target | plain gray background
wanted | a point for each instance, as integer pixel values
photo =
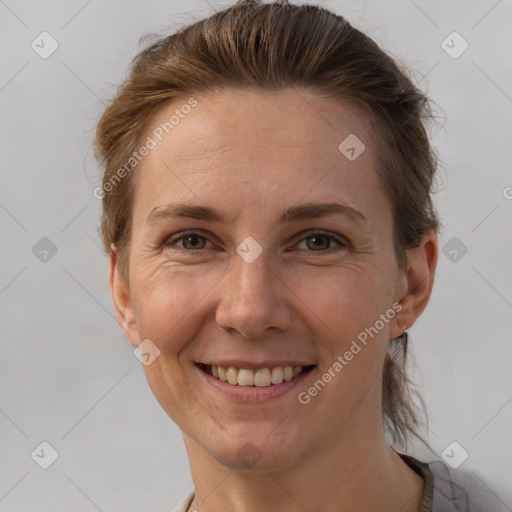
(68, 376)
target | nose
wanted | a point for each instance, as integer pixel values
(254, 299)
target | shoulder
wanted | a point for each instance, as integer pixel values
(184, 504)
(450, 490)
(462, 491)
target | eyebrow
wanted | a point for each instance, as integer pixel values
(294, 213)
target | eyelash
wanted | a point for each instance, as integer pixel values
(171, 241)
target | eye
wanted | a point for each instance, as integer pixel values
(321, 241)
(192, 240)
(195, 241)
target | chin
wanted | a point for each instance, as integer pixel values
(256, 449)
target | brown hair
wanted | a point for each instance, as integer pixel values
(271, 47)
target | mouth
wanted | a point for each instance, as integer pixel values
(254, 377)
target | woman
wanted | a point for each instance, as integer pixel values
(234, 148)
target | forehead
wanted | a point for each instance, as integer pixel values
(260, 148)
(240, 116)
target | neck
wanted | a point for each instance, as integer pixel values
(362, 474)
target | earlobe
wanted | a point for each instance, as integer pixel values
(121, 299)
(421, 265)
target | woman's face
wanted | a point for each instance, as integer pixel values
(232, 266)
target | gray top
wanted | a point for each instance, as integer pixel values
(453, 490)
(445, 490)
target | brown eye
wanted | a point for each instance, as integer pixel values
(321, 242)
(318, 242)
(190, 241)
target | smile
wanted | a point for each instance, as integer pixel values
(257, 377)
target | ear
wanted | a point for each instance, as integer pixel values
(419, 279)
(121, 299)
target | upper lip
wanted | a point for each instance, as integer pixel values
(239, 363)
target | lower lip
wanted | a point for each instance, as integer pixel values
(253, 393)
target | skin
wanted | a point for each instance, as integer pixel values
(251, 155)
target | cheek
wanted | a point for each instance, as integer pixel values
(344, 311)
(168, 303)
(345, 301)
(337, 303)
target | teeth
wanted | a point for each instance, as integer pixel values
(261, 378)
(232, 375)
(277, 375)
(288, 373)
(245, 377)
